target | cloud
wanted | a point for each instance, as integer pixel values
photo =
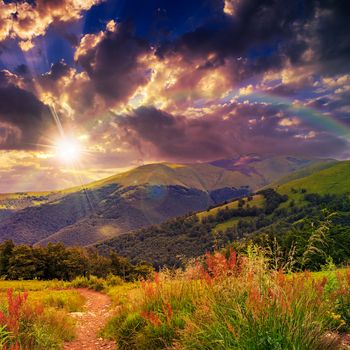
(154, 89)
(110, 68)
(25, 21)
(231, 130)
(111, 59)
(175, 84)
(299, 34)
(23, 118)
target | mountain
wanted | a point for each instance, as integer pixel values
(143, 196)
(286, 212)
(271, 168)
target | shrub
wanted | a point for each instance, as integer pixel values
(112, 280)
(91, 282)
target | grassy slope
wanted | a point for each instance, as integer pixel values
(258, 200)
(309, 170)
(328, 177)
(333, 180)
(204, 177)
(201, 176)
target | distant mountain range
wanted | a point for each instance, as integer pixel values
(143, 196)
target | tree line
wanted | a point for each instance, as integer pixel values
(55, 261)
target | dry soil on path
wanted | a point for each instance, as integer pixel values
(90, 322)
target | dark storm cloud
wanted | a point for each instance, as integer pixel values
(265, 34)
(160, 134)
(172, 136)
(23, 118)
(262, 25)
(330, 30)
(112, 64)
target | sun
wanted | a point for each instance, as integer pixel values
(68, 150)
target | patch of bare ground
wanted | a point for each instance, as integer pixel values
(90, 322)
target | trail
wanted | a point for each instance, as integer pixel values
(90, 322)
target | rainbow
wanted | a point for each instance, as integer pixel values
(312, 116)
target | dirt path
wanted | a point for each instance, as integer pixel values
(94, 317)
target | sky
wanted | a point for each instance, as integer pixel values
(89, 88)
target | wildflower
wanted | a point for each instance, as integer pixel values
(231, 329)
(156, 278)
(151, 317)
(232, 260)
(168, 312)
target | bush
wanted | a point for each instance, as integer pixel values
(112, 280)
(91, 282)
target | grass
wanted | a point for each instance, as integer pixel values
(333, 180)
(232, 303)
(258, 201)
(225, 225)
(34, 315)
(217, 302)
(34, 285)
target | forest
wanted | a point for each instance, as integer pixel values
(55, 261)
(313, 230)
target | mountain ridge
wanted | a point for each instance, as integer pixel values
(142, 196)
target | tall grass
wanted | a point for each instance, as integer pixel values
(29, 325)
(231, 302)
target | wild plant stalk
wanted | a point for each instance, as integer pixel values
(28, 325)
(232, 302)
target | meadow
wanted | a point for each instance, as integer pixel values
(222, 300)
(35, 314)
(233, 302)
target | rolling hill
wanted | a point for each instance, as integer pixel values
(331, 180)
(143, 196)
(281, 214)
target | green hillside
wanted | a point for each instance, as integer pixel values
(332, 180)
(328, 178)
(142, 196)
(303, 172)
(291, 214)
(256, 200)
(255, 173)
